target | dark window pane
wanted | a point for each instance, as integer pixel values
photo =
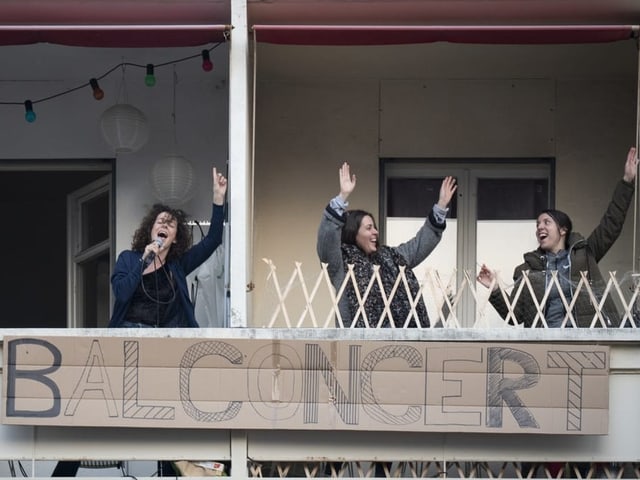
(414, 197)
(95, 220)
(96, 288)
(512, 198)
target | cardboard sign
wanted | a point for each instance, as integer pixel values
(306, 385)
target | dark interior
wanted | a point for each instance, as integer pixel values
(33, 285)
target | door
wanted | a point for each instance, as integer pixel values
(89, 254)
(491, 221)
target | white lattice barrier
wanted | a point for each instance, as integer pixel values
(443, 469)
(309, 300)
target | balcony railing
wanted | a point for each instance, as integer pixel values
(309, 300)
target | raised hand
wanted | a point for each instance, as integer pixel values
(486, 277)
(219, 187)
(631, 166)
(347, 181)
(447, 189)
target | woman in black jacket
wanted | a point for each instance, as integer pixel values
(569, 254)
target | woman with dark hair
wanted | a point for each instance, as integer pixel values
(349, 239)
(568, 253)
(149, 281)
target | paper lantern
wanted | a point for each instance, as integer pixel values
(173, 180)
(125, 128)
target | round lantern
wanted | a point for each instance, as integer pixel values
(124, 127)
(173, 180)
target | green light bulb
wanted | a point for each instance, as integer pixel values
(150, 78)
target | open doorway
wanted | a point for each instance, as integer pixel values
(34, 287)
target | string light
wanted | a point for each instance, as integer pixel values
(98, 94)
(29, 114)
(207, 64)
(150, 78)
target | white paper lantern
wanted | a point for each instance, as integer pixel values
(173, 180)
(124, 127)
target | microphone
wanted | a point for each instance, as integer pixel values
(152, 255)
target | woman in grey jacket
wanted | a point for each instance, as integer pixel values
(349, 239)
(567, 253)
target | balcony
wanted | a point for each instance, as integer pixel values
(426, 448)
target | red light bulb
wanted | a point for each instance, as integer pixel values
(98, 94)
(207, 64)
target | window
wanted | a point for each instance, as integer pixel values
(88, 213)
(491, 220)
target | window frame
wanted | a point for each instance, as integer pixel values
(467, 171)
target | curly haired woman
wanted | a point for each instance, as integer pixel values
(149, 280)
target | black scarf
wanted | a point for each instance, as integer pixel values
(389, 261)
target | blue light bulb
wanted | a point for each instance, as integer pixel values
(29, 114)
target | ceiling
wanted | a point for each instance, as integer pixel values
(167, 23)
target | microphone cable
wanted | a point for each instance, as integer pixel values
(157, 299)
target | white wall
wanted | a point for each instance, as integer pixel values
(67, 127)
(319, 106)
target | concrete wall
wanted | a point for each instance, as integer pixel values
(67, 127)
(317, 107)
